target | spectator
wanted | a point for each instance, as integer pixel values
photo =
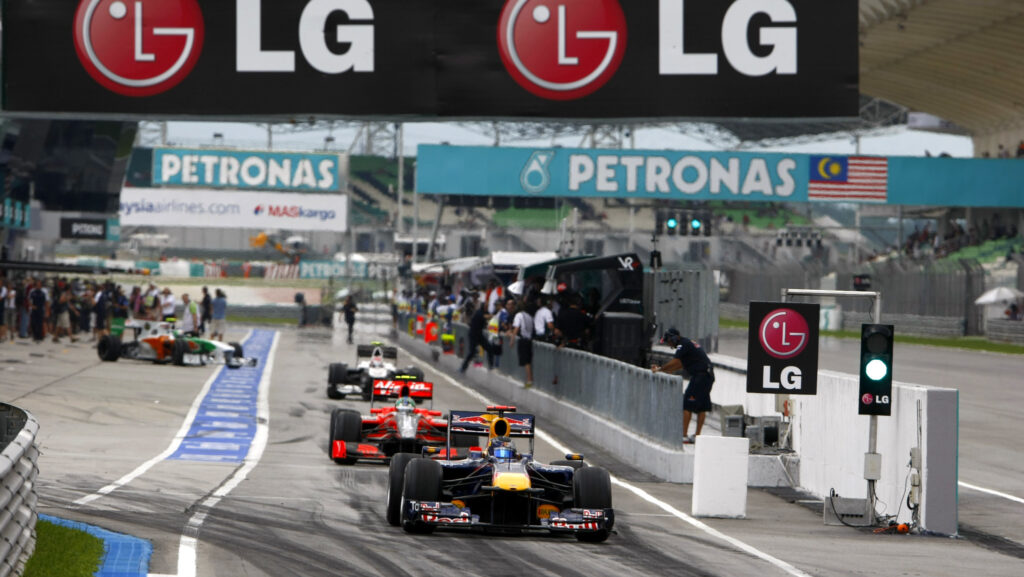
(100, 303)
(572, 327)
(3, 302)
(191, 318)
(1013, 312)
(62, 310)
(522, 326)
(543, 321)
(349, 309)
(477, 335)
(207, 309)
(10, 311)
(167, 304)
(494, 294)
(219, 315)
(38, 311)
(1020, 149)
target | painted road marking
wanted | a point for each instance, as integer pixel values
(241, 389)
(991, 492)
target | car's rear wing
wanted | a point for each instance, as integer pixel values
(389, 389)
(480, 423)
(373, 350)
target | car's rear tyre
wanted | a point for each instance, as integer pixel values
(178, 352)
(422, 483)
(592, 489)
(109, 348)
(566, 463)
(238, 350)
(396, 484)
(337, 373)
(346, 425)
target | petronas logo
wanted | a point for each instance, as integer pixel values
(535, 177)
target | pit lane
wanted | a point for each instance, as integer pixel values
(297, 513)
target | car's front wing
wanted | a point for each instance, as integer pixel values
(566, 521)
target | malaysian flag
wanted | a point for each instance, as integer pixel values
(854, 178)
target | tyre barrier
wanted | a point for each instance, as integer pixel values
(18, 472)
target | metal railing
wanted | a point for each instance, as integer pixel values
(18, 472)
(632, 397)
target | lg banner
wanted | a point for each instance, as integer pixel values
(230, 209)
(509, 58)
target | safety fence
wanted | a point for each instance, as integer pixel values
(622, 393)
(18, 472)
(937, 289)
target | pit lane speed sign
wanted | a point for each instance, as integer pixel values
(782, 348)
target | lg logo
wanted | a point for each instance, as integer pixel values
(567, 49)
(136, 47)
(562, 49)
(146, 47)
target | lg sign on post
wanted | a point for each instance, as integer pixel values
(782, 353)
(136, 47)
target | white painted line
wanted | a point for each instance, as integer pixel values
(647, 496)
(187, 548)
(991, 492)
(175, 442)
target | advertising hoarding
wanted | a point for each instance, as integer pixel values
(215, 208)
(206, 168)
(707, 175)
(83, 228)
(434, 58)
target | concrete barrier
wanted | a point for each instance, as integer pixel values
(720, 477)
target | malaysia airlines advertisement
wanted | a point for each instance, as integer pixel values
(213, 208)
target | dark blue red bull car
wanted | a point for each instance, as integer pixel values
(500, 487)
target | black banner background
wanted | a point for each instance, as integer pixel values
(438, 58)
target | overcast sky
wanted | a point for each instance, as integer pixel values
(895, 142)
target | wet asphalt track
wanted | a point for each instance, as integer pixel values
(300, 514)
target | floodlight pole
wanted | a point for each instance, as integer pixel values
(876, 316)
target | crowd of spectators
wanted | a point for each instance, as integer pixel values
(57, 308)
(1004, 152)
(921, 243)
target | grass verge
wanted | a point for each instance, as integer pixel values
(64, 552)
(969, 343)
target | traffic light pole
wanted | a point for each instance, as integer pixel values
(876, 317)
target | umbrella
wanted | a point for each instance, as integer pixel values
(999, 295)
(516, 288)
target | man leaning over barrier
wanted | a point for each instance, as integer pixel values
(691, 357)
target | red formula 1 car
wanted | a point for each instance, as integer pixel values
(402, 427)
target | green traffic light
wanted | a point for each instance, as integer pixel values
(876, 369)
(672, 223)
(695, 224)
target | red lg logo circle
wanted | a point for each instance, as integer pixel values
(866, 399)
(136, 47)
(562, 49)
(783, 333)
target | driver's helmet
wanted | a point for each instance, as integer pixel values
(377, 362)
(502, 448)
(405, 403)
